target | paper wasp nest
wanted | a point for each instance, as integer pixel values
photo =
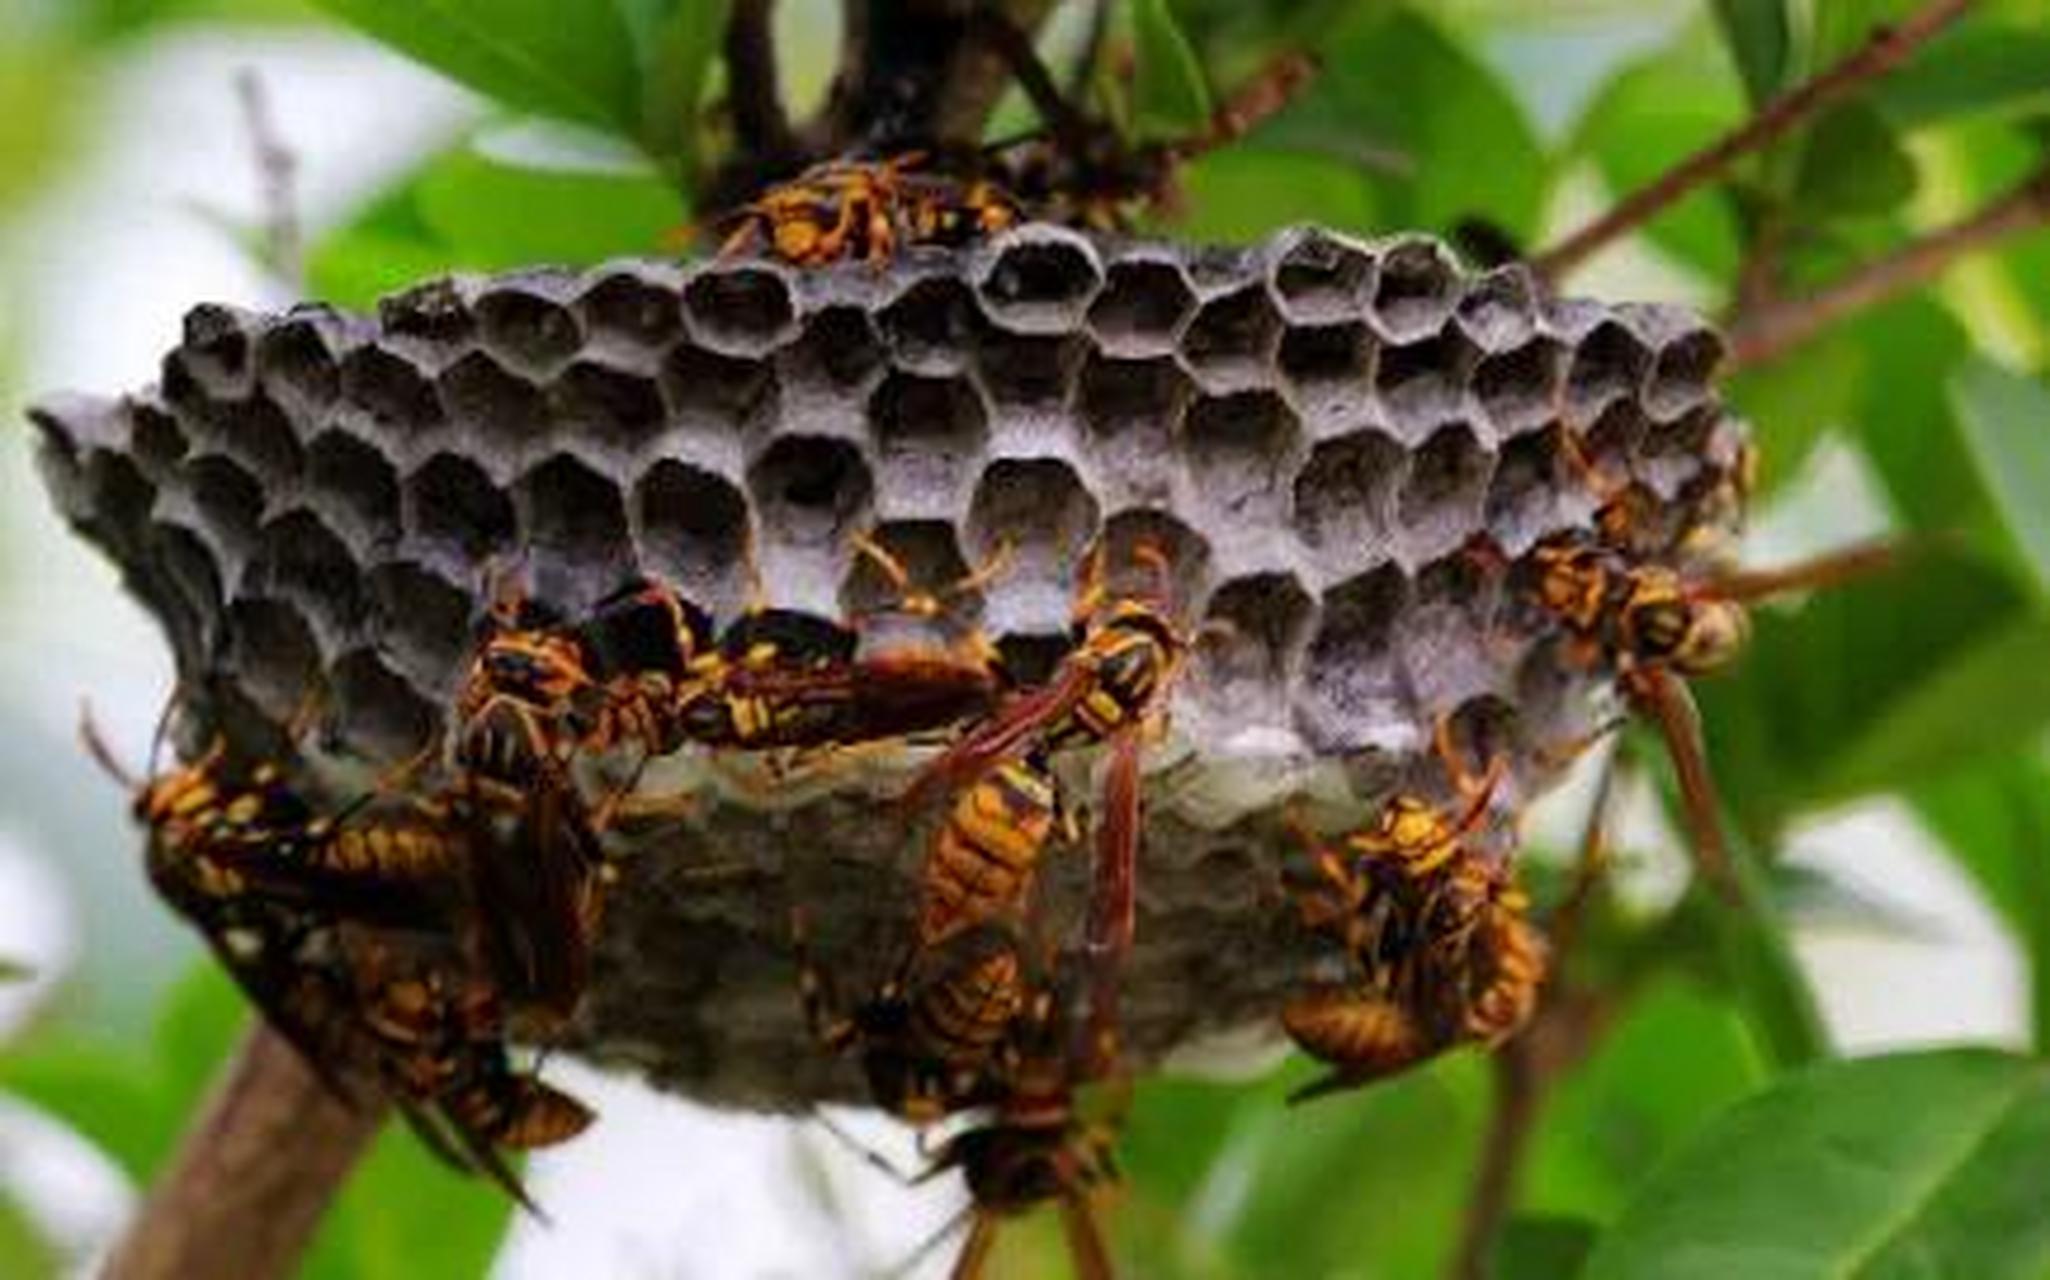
(1312, 428)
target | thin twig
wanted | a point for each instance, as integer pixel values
(253, 1176)
(755, 96)
(277, 171)
(1885, 49)
(1767, 332)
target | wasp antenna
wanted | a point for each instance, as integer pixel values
(861, 1151)
(988, 571)
(96, 746)
(926, 1248)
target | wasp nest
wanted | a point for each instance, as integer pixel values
(1312, 429)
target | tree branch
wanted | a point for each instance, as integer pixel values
(1885, 49)
(755, 92)
(276, 174)
(1766, 332)
(253, 1176)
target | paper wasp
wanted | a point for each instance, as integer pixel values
(932, 1038)
(436, 1036)
(982, 859)
(867, 211)
(1035, 1146)
(1112, 690)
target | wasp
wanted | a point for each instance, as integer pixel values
(1656, 628)
(982, 859)
(1110, 690)
(792, 680)
(936, 1033)
(867, 211)
(436, 1035)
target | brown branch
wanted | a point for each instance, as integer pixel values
(1564, 1032)
(276, 173)
(755, 92)
(1885, 49)
(253, 1176)
(1769, 331)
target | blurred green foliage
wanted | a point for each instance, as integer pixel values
(1698, 1134)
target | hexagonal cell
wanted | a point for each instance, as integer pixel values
(931, 558)
(1236, 330)
(450, 501)
(838, 348)
(1143, 306)
(1448, 642)
(1345, 494)
(1613, 439)
(739, 310)
(810, 490)
(272, 652)
(254, 432)
(155, 437)
(186, 587)
(526, 329)
(1416, 289)
(616, 405)
(1266, 621)
(1328, 368)
(1119, 396)
(1040, 279)
(623, 303)
(1030, 370)
(296, 362)
(229, 499)
(352, 476)
(1349, 681)
(693, 524)
(392, 388)
(1440, 502)
(1035, 508)
(420, 618)
(1030, 658)
(1522, 387)
(377, 714)
(508, 413)
(298, 558)
(927, 328)
(215, 350)
(930, 430)
(434, 312)
(1499, 311)
(1131, 540)
(1682, 372)
(572, 516)
(1423, 383)
(1609, 363)
(714, 392)
(1320, 278)
(1671, 451)
(1524, 494)
(1240, 447)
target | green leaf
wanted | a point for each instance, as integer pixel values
(574, 62)
(1242, 195)
(1403, 1149)
(25, 1251)
(1852, 165)
(1403, 86)
(1982, 68)
(2006, 425)
(495, 216)
(1634, 1101)
(1919, 1164)
(1996, 822)
(1876, 685)
(1649, 117)
(1169, 95)
(1759, 40)
(102, 1094)
(1794, 403)
(465, 211)
(1533, 1248)
(675, 45)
